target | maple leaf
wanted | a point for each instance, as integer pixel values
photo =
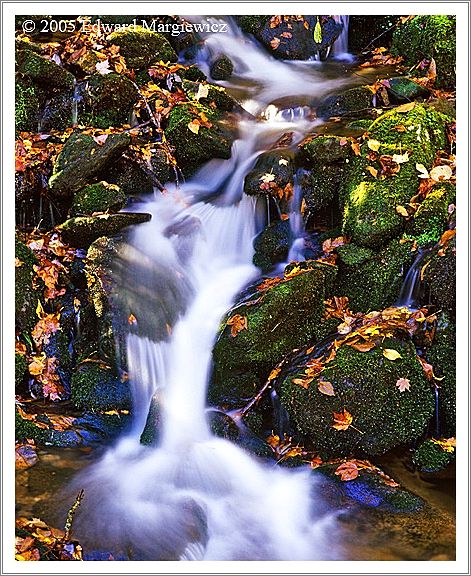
(326, 388)
(342, 420)
(203, 91)
(283, 162)
(331, 244)
(37, 364)
(403, 384)
(315, 462)
(103, 67)
(400, 158)
(347, 471)
(237, 324)
(48, 324)
(391, 354)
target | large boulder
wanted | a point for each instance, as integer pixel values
(221, 67)
(353, 102)
(43, 71)
(81, 159)
(364, 385)
(279, 318)
(96, 387)
(99, 197)
(440, 277)
(431, 218)
(370, 196)
(429, 37)
(141, 47)
(29, 100)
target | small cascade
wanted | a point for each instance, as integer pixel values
(340, 47)
(296, 252)
(76, 99)
(410, 289)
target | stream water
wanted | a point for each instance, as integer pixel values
(194, 496)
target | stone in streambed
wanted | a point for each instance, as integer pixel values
(272, 245)
(353, 101)
(43, 71)
(221, 68)
(431, 457)
(99, 197)
(99, 388)
(401, 89)
(141, 47)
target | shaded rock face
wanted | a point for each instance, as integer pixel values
(272, 245)
(370, 32)
(96, 388)
(440, 278)
(99, 197)
(401, 90)
(353, 101)
(364, 385)
(43, 71)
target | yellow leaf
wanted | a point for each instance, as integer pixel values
(405, 107)
(391, 354)
(402, 211)
(318, 32)
(274, 373)
(372, 171)
(237, 324)
(194, 126)
(18, 262)
(39, 310)
(373, 145)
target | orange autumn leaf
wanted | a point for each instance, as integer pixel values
(275, 43)
(347, 471)
(342, 420)
(274, 373)
(303, 382)
(269, 283)
(132, 319)
(47, 324)
(237, 324)
(362, 346)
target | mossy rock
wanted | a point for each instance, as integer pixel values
(29, 100)
(99, 197)
(96, 388)
(275, 167)
(108, 100)
(360, 124)
(365, 386)
(192, 73)
(192, 150)
(430, 457)
(440, 278)
(221, 67)
(252, 24)
(442, 356)
(324, 149)
(42, 71)
(26, 298)
(370, 218)
(372, 281)
(81, 159)
(21, 366)
(352, 101)
(401, 89)
(287, 315)
(26, 429)
(81, 231)
(217, 95)
(141, 47)
(429, 37)
(321, 186)
(431, 218)
(272, 245)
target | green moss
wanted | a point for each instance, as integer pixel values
(222, 68)
(192, 73)
(192, 150)
(99, 197)
(364, 385)
(141, 47)
(216, 95)
(362, 124)
(431, 218)
(28, 102)
(321, 186)
(286, 316)
(429, 37)
(325, 150)
(272, 245)
(26, 298)
(42, 71)
(355, 100)
(429, 457)
(370, 216)
(252, 24)
(20, 369)
(372, 281)
(95, 388)
(25, 429)
(440, 279)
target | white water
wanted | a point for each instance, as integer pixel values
(195, 496)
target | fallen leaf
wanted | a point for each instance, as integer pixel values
(274, 373)
(362, 346)
(342, 420)
(203, 90)
(356, 148)
(423, 171)
(373, 145)
(402, 211)
(237, 324)
(401, 158)
(448, 444)
(267, 178)
(18, 262)
(372, 171)
(391, 354)
(347, 471)
(101, 139)
(326, 388)
(403, 384)
(405, 107)
(275, 43)
(303, 382)
(194, 126)
(318, 32)
(283, 162)
(439, 173)
(132, 319)
(103, 67)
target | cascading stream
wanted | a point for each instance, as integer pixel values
(194, 496)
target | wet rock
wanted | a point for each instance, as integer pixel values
(193, 73)
(324, 149)
(42, 71)
(272, 175)
(89, 429)
(402, 89)
(194, 149)
(221, 68)
(365, 386)
(29, 100)
(440, 278)
(370, 217)
(429, 37)
(272, 245)
(99, 388)
(151, 433)
(83, 230)
(355, 101)
(58, 348)
(26, 297)
(56, 114)
(99, 197)
(372, 281)
(81, 159)
(108, 100)
(286, 316)
(431, 457)
(141, 47)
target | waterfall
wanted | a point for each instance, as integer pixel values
(194, 496)
(340, 47)
(411, 286)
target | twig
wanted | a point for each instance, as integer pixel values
(71, 514)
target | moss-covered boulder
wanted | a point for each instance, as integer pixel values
(26, 298)
(272, 174)
(431, 218)
(43, 71)
(26, 430)
(370, 217)
(372, 280)
(99, 197)
(272, 244)
(221, 67)
(20, 369)
(197, 135)
(29, 99)
(431, 457)
(141, 47)
(81, 231)
(364, 384)
(440, 278)
(217, 95)
(401, 89)
(81, 159)
(429, 37)
(252, 24)
(353, 101)
(98, 388)
(108, 100)
(285, 316)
